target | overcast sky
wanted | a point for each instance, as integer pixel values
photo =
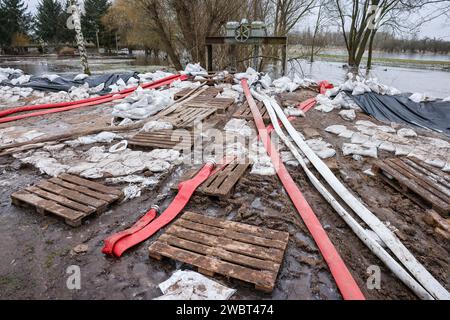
(439, 28)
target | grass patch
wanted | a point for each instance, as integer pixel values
(429, 63)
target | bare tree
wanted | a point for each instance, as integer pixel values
(360, 20)
(289, 12)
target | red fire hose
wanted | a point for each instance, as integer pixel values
(141, 224)
(118, 244)
(66, 106)
(344, 280)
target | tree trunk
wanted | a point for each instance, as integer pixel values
(369, 58)
(79, 37)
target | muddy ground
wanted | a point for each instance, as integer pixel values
(37, 250)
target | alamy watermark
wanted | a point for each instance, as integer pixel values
(73, 281)
(374, 279)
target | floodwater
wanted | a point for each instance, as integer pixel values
(408, 56)
(433, 82)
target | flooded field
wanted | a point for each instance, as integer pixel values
(433, 82)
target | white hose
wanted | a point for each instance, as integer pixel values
(393, 265)
(388, 237)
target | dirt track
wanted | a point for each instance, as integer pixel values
(36, 250)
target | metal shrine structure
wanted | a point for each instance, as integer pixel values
(249, 34)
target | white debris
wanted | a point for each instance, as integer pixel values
(355, 149)
(120, 147)
(81, 77)
(157, 126)
(195, 70)
(348, 115)
(403, 150)
(157, 166)
(104, 137)
(369, 172)
(294, 112)
(131, 192)
(51, 77)
(143, 104)
(421, 97)
(189, 285)
(387, 146)
(21, 80)
(406, 133)
(321, 148)
(239, 127)
(359, 138)
(438, 163)
(347, 134)
(336, 129)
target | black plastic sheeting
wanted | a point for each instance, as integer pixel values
(65, 83)
(400, 109)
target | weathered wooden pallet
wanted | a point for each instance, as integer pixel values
(220, 104)
(188, 117)
(423, 184)
(163, 139)
(217, 246)
(210, 92)
(69, 197)
(222, 183)
(245, 112)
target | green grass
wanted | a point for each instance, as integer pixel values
(429, 63)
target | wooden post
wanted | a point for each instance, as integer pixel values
(284, 59)
(256, 57)
(233, 58)
(209, 56)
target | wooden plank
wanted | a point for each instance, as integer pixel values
(443, 178)
(220, 253)
(83, 190)
(225, 243)
(439, 190)
(61, 200)
(166, 139)
(244, 112)
(411, 186)
(262, 279)
(239, 227)
(432, 169)
(216, 247)
(46, 205)
(91, 185)
(71, 194)
(188, 117)
(233, 235)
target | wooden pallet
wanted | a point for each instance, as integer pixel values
(231, 249)
(163, 139)
(222, 183)
(423, 184)
(245, 112)
(187, 118)
(220, 104)
(210, 92)
(69, 197)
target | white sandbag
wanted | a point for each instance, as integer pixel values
(336, 129)
(348, 115)
(156, 126)
(189, 285)
(355, 149)
(406, 133)
(81, 77)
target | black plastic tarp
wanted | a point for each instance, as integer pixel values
(67, 82)
(400, 109)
